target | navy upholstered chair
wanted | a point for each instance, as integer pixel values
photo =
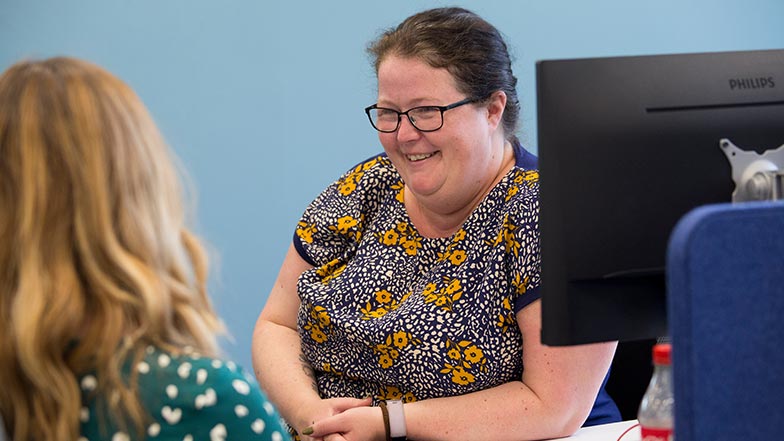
(725, 277)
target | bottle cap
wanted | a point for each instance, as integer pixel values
(661, 353)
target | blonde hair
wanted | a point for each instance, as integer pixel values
(95, 260)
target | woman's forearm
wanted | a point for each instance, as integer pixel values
(511, 411)
(282, 371)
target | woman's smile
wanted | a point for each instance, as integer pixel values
(420, 156)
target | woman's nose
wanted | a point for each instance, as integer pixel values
(406, 131)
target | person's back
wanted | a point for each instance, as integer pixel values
(186, 395)
(107, 329)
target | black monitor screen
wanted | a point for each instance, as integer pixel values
(627, 146)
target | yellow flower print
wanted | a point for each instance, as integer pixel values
(390, 393)
(513, 190)
(531, 176)
(318, 335)
(390, 238)
(389, 351)
(468, 358)
(510, 241)
(473, 354)
(347, 187)
(386, 304)
(460, 376)
(507, 304)
(385, 361)
(327, 367)
(506, 318)
(331, 270)
(411, 245)
(321, 316)
(387, 393)
(454, 287)
(370, 313)
(446, 296)
(305, 231)
(507, 236)
(386, 356)
(369, 164)
(400, 188)
(319, 323)
(400, 339)
(344, 224)
(457, 257)
(520, 285)
(460, 235)
(505, 321)
(383, 296)
(404, 235)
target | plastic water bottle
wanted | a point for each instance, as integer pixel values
(656, 409)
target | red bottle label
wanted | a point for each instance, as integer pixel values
(655, 434)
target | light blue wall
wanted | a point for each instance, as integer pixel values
(263, 100)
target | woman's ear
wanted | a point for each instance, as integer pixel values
(495, 108)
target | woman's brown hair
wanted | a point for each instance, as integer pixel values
(458, 40)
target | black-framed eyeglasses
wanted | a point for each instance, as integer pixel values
(423, 118)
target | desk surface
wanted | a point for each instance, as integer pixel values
(607, 432)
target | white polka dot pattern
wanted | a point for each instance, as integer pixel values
(163, 360)
(172, 416)
(89, 383)
(241, 387)
(184, 371)
(258, 426)
(198, 399)
(201, 376)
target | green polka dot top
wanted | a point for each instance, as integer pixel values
(188, 398)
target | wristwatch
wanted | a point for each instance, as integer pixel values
(397, 421)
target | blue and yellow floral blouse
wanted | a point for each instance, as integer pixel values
(388, 313)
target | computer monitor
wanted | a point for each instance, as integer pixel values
(628, 145)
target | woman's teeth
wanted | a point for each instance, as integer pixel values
(415, 158)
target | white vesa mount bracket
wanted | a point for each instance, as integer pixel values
(758, 177)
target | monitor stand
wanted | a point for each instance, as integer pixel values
(758, 177)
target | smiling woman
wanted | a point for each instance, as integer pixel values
(413, 281)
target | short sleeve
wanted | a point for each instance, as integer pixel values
(332, 225)
(523, 224)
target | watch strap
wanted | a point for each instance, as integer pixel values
(397, 420)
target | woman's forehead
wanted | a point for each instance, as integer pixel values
(405, 80)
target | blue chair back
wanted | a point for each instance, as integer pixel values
(725, 294)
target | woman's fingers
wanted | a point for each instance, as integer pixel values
(330, 428)
(340, 405)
